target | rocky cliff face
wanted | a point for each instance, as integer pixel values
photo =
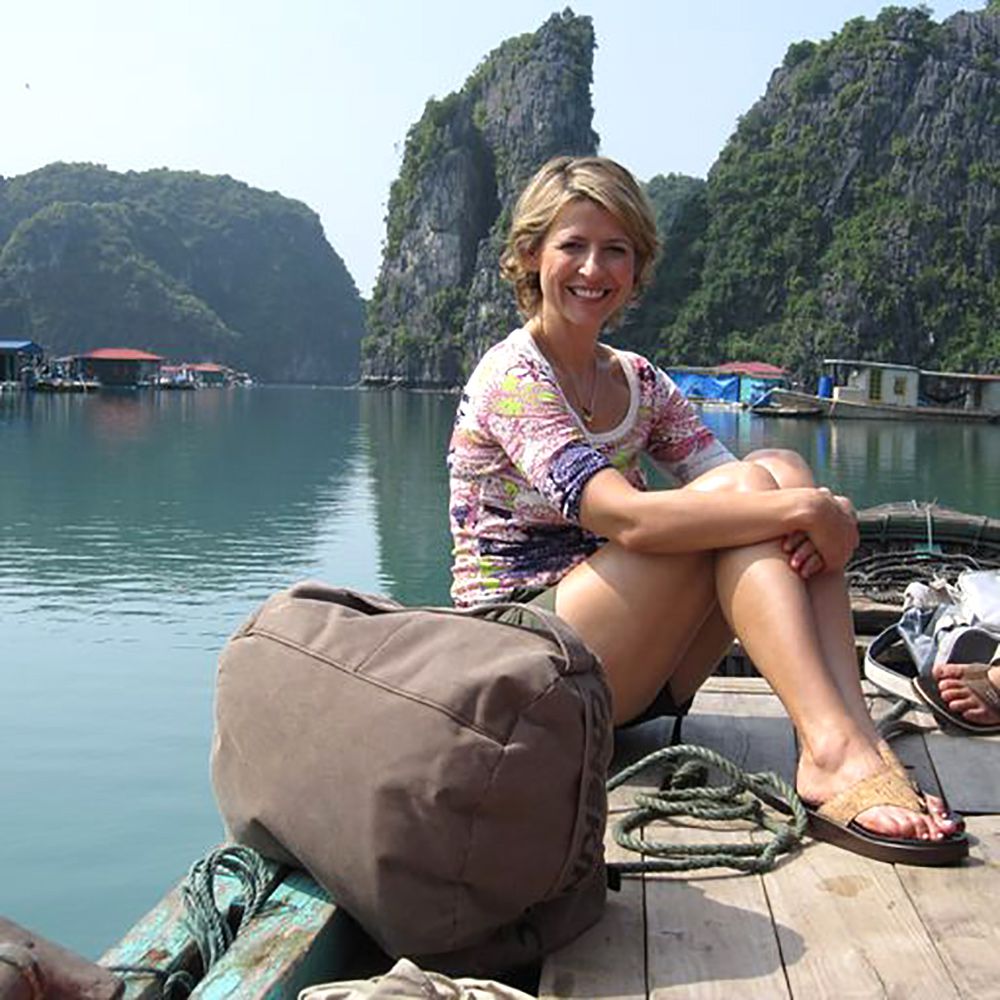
(438, 302)
(855, 210)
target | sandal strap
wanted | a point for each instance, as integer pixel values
(883, 788)
(976, 679)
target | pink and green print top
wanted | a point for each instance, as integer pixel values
(520, 458)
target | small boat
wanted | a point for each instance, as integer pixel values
(65, 384)
(904, 542)
(295, 935)
(868, 390)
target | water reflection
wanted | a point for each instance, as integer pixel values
(140, 495)
(137, 530)
(407, 439)
(876, 462)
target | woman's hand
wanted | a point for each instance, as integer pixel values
(803, 556)
(830, 538)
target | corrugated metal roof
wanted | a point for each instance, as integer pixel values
(120, 354)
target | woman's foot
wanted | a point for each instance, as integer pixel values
(832, 765)
(935, 805)
(971, 690)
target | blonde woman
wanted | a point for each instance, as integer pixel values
(549, 504)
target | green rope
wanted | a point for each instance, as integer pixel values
(687, 793)
(210, 926)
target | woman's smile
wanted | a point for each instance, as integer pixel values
(586, 268)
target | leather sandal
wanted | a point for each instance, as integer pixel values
(976, 678)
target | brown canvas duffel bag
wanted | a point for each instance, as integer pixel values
(441, 773)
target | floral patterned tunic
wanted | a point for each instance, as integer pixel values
(520, 458)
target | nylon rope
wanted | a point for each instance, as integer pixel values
(686, 792)
(212, 928)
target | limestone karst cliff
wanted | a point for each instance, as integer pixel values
(856, 209)
(438, 301)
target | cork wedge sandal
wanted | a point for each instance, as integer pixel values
(835, 822)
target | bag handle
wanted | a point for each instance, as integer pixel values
(551, 625)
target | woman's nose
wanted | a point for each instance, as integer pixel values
(591, 262)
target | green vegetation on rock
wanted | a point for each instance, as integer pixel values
(854, 212)
(189, 266)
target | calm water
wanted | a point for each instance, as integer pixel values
(137, 530)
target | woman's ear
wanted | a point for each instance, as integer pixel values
(529, 258)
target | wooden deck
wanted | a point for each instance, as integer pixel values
(825, 922)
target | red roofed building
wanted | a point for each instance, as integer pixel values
(760, 369)
(120, 366)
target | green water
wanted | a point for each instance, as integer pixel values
(137, 530)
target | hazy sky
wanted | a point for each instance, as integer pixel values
(313, 98)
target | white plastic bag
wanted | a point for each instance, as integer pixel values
(406, 981)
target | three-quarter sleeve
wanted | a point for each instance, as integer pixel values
(679, 443)
(523, 411)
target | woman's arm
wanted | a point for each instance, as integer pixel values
(704, 516)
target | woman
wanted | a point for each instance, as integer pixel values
(548, 503)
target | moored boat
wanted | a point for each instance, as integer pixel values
(867, 390)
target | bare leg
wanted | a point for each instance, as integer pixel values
(831, 610)
(770, 607)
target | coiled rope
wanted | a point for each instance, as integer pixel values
(686, 792)
(212, 928)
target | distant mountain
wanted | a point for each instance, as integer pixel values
(183, 264)
(856, 210)
(439, 302)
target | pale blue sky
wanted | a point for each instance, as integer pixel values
(313, 98)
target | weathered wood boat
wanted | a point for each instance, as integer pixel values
(824, 923)
(907, 541)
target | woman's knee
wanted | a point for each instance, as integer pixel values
(738, 477)
(787, 467)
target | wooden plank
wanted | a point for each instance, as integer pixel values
(609, 960)
(966, 767)
(161, 939)
(710, 932)
(958, 908)
(848, 928)
(969, 769)
(287, 946)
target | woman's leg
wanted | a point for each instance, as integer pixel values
(831, 605)
(674, 634)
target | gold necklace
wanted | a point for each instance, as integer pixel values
(586, 410)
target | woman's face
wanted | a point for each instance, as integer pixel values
(586, 268)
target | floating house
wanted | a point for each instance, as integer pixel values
(120, 366)
(738, 383)
(209, 373)
(16, 358)
(851, 389)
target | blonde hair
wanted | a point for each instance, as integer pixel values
(560, 181)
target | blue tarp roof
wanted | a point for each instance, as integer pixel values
(696, 385)
(20, 347)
